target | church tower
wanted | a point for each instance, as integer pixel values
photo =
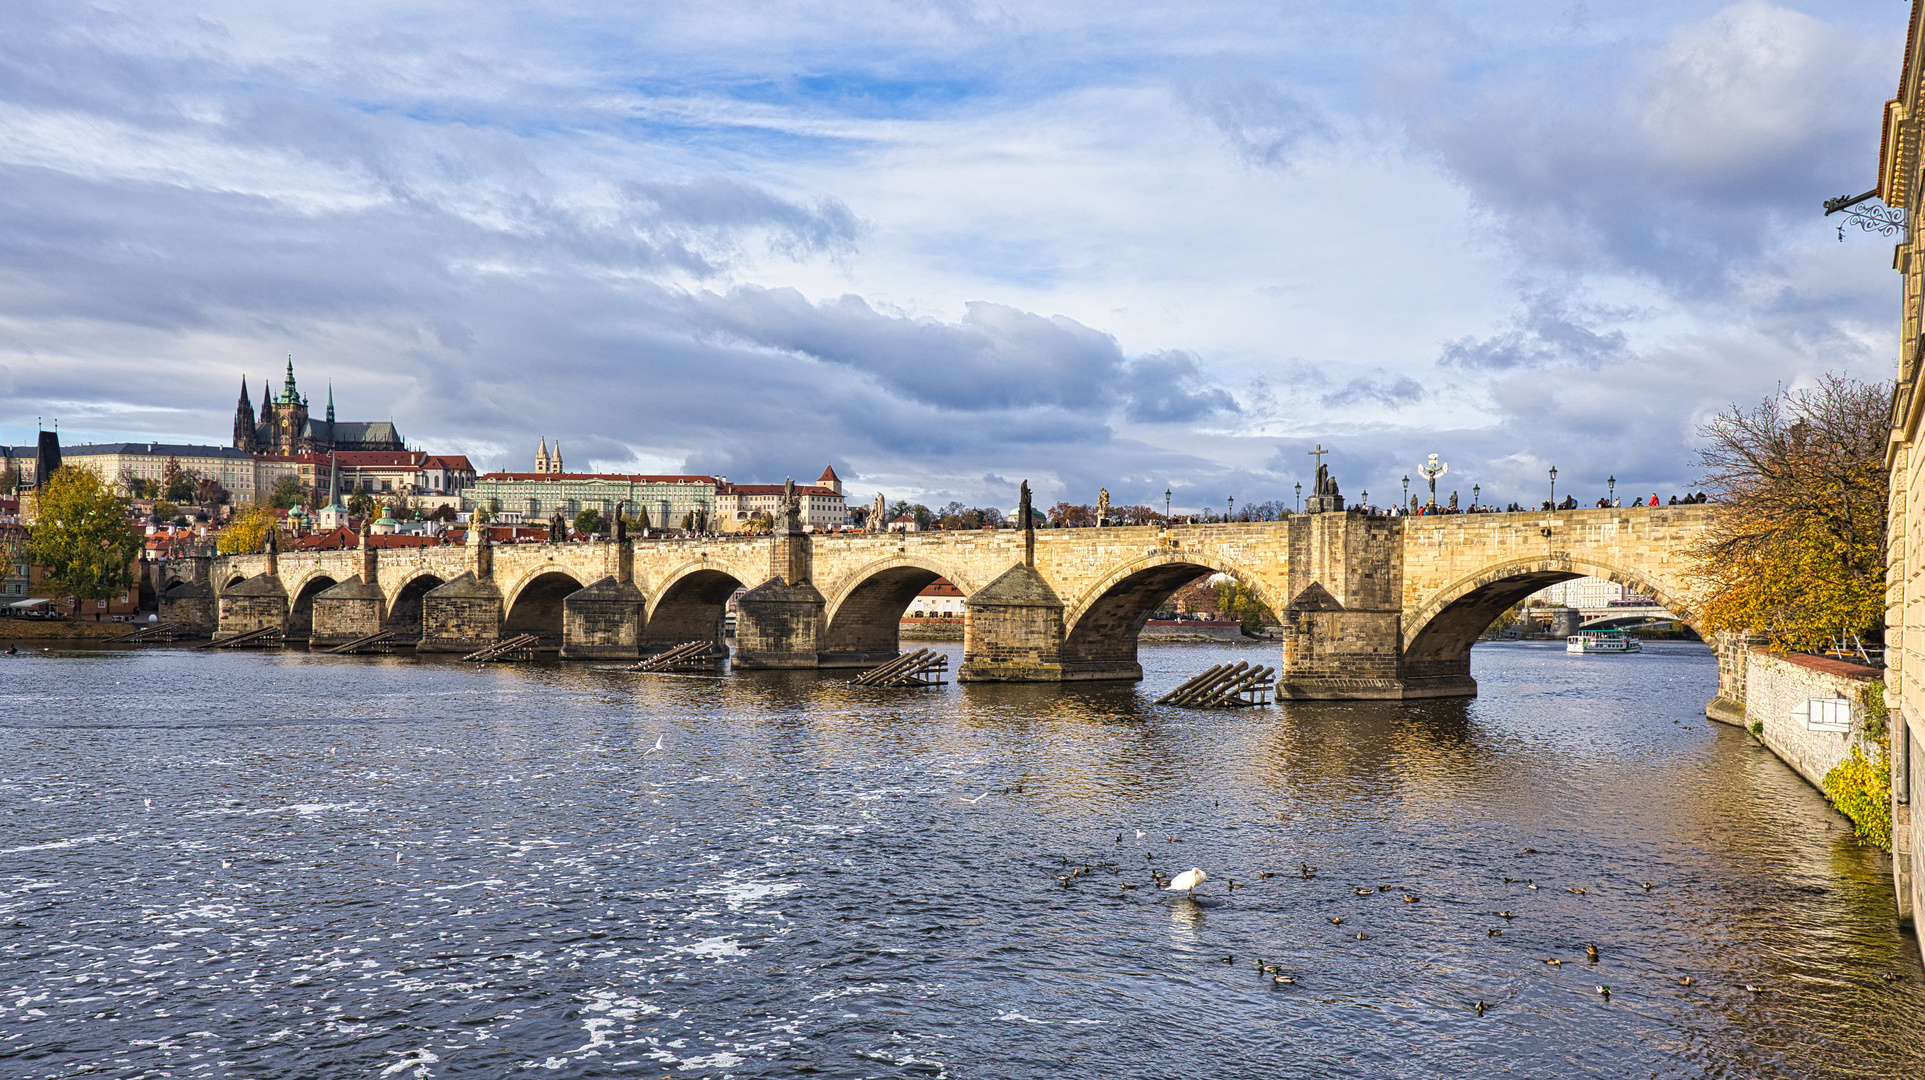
(290, 417)
(244, 421)
(541, 457)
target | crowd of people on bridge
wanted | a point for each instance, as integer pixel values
(1416, 509)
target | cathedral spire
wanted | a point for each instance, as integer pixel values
(330, 404)
(244, 420)
(290, 395)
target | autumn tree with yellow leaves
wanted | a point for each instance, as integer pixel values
(1796, 549)
(247, 532)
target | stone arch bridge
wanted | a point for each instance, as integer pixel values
(1371, 607)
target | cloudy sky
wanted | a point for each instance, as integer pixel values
(949, 245)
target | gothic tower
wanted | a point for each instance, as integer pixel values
(290, 417)
(244, 421)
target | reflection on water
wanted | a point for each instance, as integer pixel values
(294, 865)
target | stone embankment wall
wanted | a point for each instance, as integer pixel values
(1779, 692)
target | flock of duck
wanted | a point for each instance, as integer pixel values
(1187, 881)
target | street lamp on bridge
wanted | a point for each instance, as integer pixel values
(1166, 506)
(1406, 502)
(1611, 491)
(1299, 497)
(1232, 510)
(1553, 487)
(1474, 489)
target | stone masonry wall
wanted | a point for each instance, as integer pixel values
(1776, 685)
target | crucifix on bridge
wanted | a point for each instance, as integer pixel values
(1318, 453)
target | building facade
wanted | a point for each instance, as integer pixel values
(120, 464)
(284, 427)
(823, 508)
(1900, 186)
(666, 500)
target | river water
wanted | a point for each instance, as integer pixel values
(224, 864)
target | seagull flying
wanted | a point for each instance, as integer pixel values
(652, 749)
(977, 799)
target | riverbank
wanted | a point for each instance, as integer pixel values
(62, 630)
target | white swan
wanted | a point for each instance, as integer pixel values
(1187, 880)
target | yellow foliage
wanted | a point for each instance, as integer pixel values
(1796, 548)
(246, 533)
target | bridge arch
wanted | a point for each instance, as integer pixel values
(405, 605)
(862, 617)
(1102, 626)
(534, 606)
(300, 605)
(689, 605)
(1439, 633)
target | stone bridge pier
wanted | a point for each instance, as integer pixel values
(1369, 607)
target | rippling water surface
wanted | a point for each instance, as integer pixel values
(288, 865)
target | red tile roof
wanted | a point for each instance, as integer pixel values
(365, 459)
(450, 462)
(828, 475)
(772, 489)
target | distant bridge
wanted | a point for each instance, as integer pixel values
(1371, 607)
(1624, 615)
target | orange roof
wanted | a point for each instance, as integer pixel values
(374, 458)
(772, 489)
(451, 462)
(828, 476)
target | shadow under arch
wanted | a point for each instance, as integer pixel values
(404, 613)
(300, 608)
(536, 607)
(1104, 626)
(690, 607)
(1439, 635)
(863, 625)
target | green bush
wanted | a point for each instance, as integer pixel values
(1861, 785)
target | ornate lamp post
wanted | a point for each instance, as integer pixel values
(1431, 470)
(1474, 489)
(1363, 498)
(1553, 487)
(1232, 509)
(1406, 502)
(1299, 497)
(1611, 491)
(1166, 506)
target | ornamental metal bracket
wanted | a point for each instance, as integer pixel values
(1883, 220)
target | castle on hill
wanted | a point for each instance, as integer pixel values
(285, 428)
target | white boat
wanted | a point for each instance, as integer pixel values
(1602, 641)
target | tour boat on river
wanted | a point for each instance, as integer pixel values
(1602, 641)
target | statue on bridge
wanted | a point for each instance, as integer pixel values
(1324, 496)
(879, 514)
(791, 508)
(1102, 506)
(1431, 470)
(557, 529)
